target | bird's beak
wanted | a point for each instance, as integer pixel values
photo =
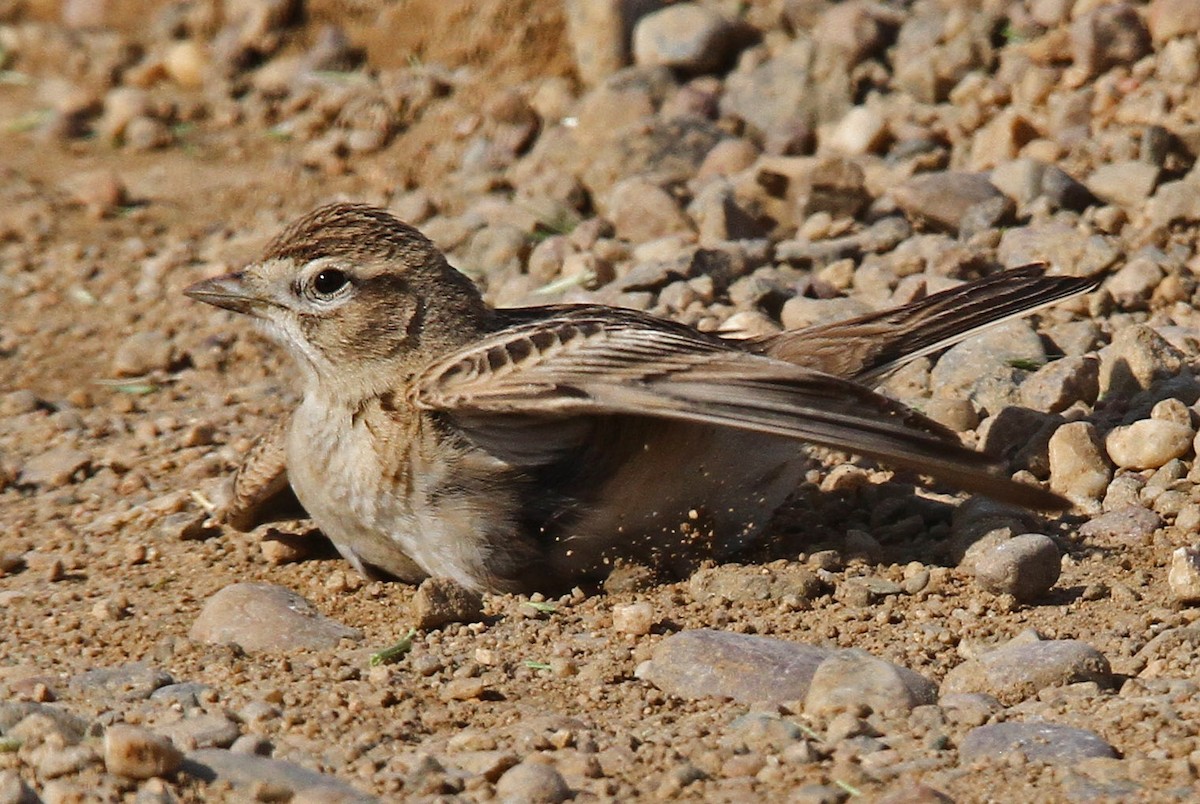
(229, 291)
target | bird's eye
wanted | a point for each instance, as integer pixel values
(329, 281)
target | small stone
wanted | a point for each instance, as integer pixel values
(1079, 469)
(1037, 741)
(1018, 671)
(463, 689)
(142, 353)
(685, 36)
(53, 761)
(1148, 443)
(1184, 575)
(213, 730)
(532, 783)
(1137, 358)
(1168, 19)
(101, 192)
(635, 619)
(280, 548)
(54, 468)
(13, 789)
(128, 682)
(854, 678)
(863, 130)
(186, 63)
(286, 781)
(704, 662)
(642, 211)
(1058, 385)
(441, 601)
(1110, 35)
(265, 617)
(1127, 184)
(1025, 566)
(136, 753)
(942, 199)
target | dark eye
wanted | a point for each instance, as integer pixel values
(329, 281)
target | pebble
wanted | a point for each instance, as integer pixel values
(249, 771)
(1109, 35)
(1079, 468)
(54, 468)
(1127, 184)
(635, 619)
(441, 601)
(1183, 575)
(1148, 443)
(1036, 741)
(1137, 358)
(853, 678)
(128, 682)
(136, 753)
(1059, 384)
(207, 730)
(685, 36)
(1025, 566)
(739, 584)
(1167, 19)
(141, 353)
(942, 199)
(1018, 671)
(265, 617)
(705, 663)
(1131, 525)
(532, 783)
(642, 211)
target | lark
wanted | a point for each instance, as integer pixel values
(528, 448)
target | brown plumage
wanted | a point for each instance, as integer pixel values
(526, 448)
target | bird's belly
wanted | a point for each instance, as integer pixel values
(400, 513)
(697, 492)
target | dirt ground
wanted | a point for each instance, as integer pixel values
(97, 242)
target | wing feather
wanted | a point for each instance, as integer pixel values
(583, 361)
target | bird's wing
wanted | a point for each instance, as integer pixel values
(581, 362)
(867, 348)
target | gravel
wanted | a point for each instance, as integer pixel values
(739, 169)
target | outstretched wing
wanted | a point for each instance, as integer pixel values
(867, 348)
(585, 361)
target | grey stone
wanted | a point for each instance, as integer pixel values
(211, 730)
(1108, 36)
(1132, 525)
(1059, 384)
(599, 32)
(853, 678)
(53, 719)
(982, 368)
(1018, 671)
(54, 468)
(1126, 184)
(706, 663)
(1067, 248)
(265, 617)
(641, 210)
(1138, 358)
(942, 199)
(684, 36)
(247, 771)
(142, 353)
(1037, 741)
(129, 682)
(1025, 566)
(185, 694)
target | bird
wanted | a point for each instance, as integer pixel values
(529, 448)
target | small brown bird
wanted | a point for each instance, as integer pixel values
(526, 448)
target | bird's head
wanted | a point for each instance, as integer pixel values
(348, 287)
